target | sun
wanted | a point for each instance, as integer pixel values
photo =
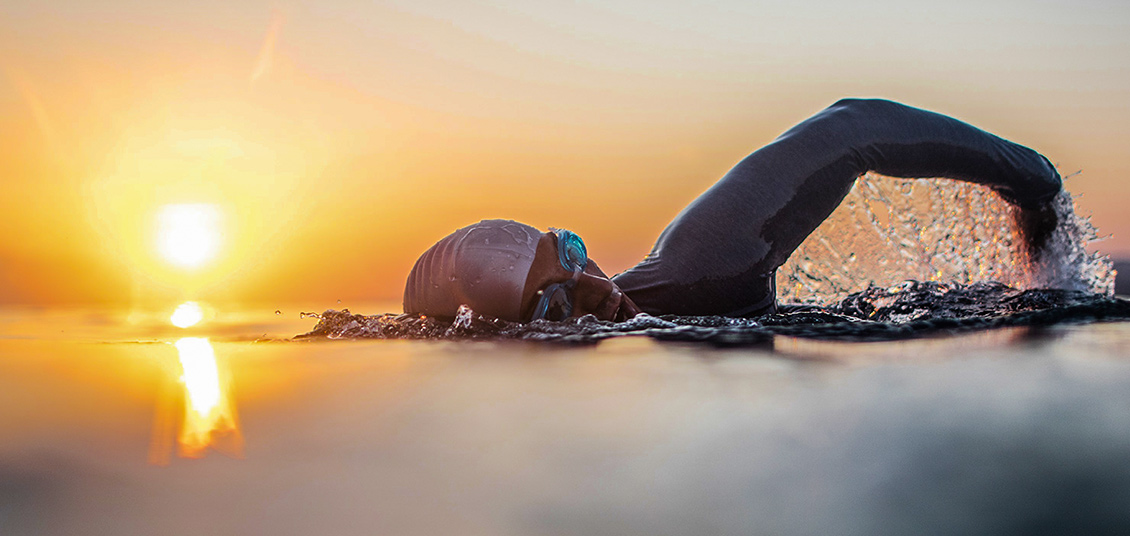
(188, 234)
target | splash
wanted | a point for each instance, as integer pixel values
(889, 230)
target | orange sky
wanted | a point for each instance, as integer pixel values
(340, 139)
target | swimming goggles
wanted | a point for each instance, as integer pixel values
(556, 300)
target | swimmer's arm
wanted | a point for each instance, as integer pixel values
(855, 136)
(941, 146)
(901, 141)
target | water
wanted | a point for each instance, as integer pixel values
(1010, 430)
(926, 407)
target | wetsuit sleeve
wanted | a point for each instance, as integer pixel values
(720, 254)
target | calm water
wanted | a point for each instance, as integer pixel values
(106, 420)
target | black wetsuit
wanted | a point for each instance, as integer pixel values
(720, 255)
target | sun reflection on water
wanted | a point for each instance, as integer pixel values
(208, 420)
(208, 412)
(201, 377)
(188, 314)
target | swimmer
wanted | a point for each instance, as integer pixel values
(719, 256)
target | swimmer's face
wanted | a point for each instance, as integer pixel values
(594, 293)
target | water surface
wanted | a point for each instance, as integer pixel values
(989, 431)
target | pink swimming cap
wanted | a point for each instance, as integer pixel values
(483, 266)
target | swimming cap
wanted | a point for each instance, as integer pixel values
(483, 266)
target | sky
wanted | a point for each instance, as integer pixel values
(334, 141)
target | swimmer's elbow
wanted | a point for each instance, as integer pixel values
(865, 119)
(864, 105)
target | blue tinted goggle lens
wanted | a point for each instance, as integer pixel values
(555, 304)
(571, 250)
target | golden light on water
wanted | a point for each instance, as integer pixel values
(208, 420)
(208, 412)
(201, 377)
(188, 234)
(186, 315)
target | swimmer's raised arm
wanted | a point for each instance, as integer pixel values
(719, 256)
(900, 141)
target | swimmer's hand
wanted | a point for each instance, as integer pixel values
(616, 306)
(627, 311)
(1036, 225)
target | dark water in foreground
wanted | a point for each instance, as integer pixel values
(911, 310)
(983, 433)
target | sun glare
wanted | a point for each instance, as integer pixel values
(188, 314)
(188, 235)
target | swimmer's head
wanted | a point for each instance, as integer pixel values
(512, 271)
(483, 266)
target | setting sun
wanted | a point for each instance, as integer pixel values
(188, 234)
